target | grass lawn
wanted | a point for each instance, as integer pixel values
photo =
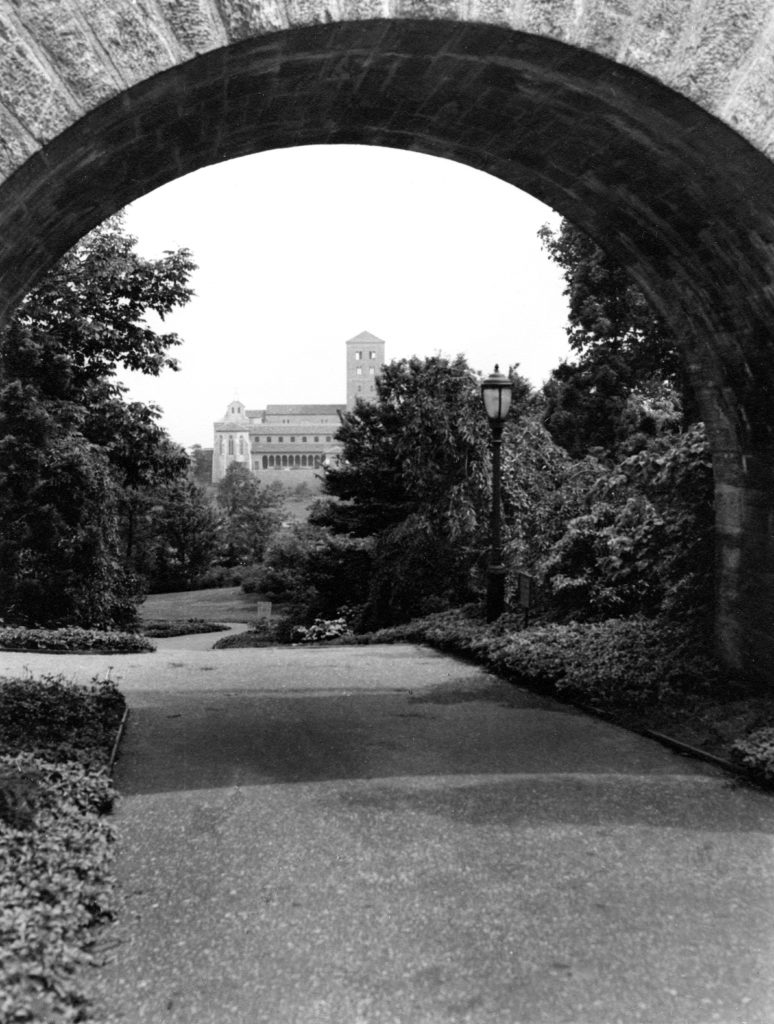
(220, 604)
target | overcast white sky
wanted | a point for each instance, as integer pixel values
(301, 249)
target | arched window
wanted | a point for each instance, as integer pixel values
(231, 445)
(298, 460)
(266, 462)
(284, 460)
(220, 445)
(241, 446)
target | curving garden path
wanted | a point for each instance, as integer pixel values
(385, 834)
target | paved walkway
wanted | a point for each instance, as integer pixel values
(390, 836)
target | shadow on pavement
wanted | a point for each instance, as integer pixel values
(564, 766)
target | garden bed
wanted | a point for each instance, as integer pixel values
(73, 640)
(56, 884)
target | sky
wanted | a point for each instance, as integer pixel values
(300, 249)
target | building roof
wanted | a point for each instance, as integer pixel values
(364, 338)
(237, 426)
(304, 410)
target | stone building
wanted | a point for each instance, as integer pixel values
(295, 439)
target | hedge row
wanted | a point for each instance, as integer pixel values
(71, 639)
(158, 628)
(56, 882)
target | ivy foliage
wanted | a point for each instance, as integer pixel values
(617, 664)
(56, 848)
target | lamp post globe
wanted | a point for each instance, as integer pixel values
(496, 394)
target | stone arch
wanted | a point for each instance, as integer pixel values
(680, 198)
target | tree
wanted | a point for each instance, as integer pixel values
(420, 447)
(181, 527)
(70, 446)
(415, 475)
(625, 353)
(58, 541)
(251, 515)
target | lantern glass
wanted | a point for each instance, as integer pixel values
(496, 393)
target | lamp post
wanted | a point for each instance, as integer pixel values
(496, 394)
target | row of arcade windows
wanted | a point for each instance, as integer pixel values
(292, 461)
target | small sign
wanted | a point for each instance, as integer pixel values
(263, 610)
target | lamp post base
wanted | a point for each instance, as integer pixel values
(495, 592)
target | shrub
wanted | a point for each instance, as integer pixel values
(222, 576)
(321, 630)
(72, 638)
(756, 753)
(644, 545)
(417, 570)
(263, 634)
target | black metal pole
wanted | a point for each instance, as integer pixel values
(495, 584)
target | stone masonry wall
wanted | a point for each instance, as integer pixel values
(62, 58)
(653, 130)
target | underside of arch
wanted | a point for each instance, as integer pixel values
(680, 199)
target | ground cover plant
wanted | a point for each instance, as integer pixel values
(158, 628)
(643, 673)
(55, 845)
(72, 639)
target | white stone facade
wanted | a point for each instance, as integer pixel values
(292, 443)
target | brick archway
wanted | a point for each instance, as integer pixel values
(680, 198)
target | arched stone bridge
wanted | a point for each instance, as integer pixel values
(649, 123)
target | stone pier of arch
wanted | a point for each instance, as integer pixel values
(648, 124)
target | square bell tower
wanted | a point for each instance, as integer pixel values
(365, 358)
